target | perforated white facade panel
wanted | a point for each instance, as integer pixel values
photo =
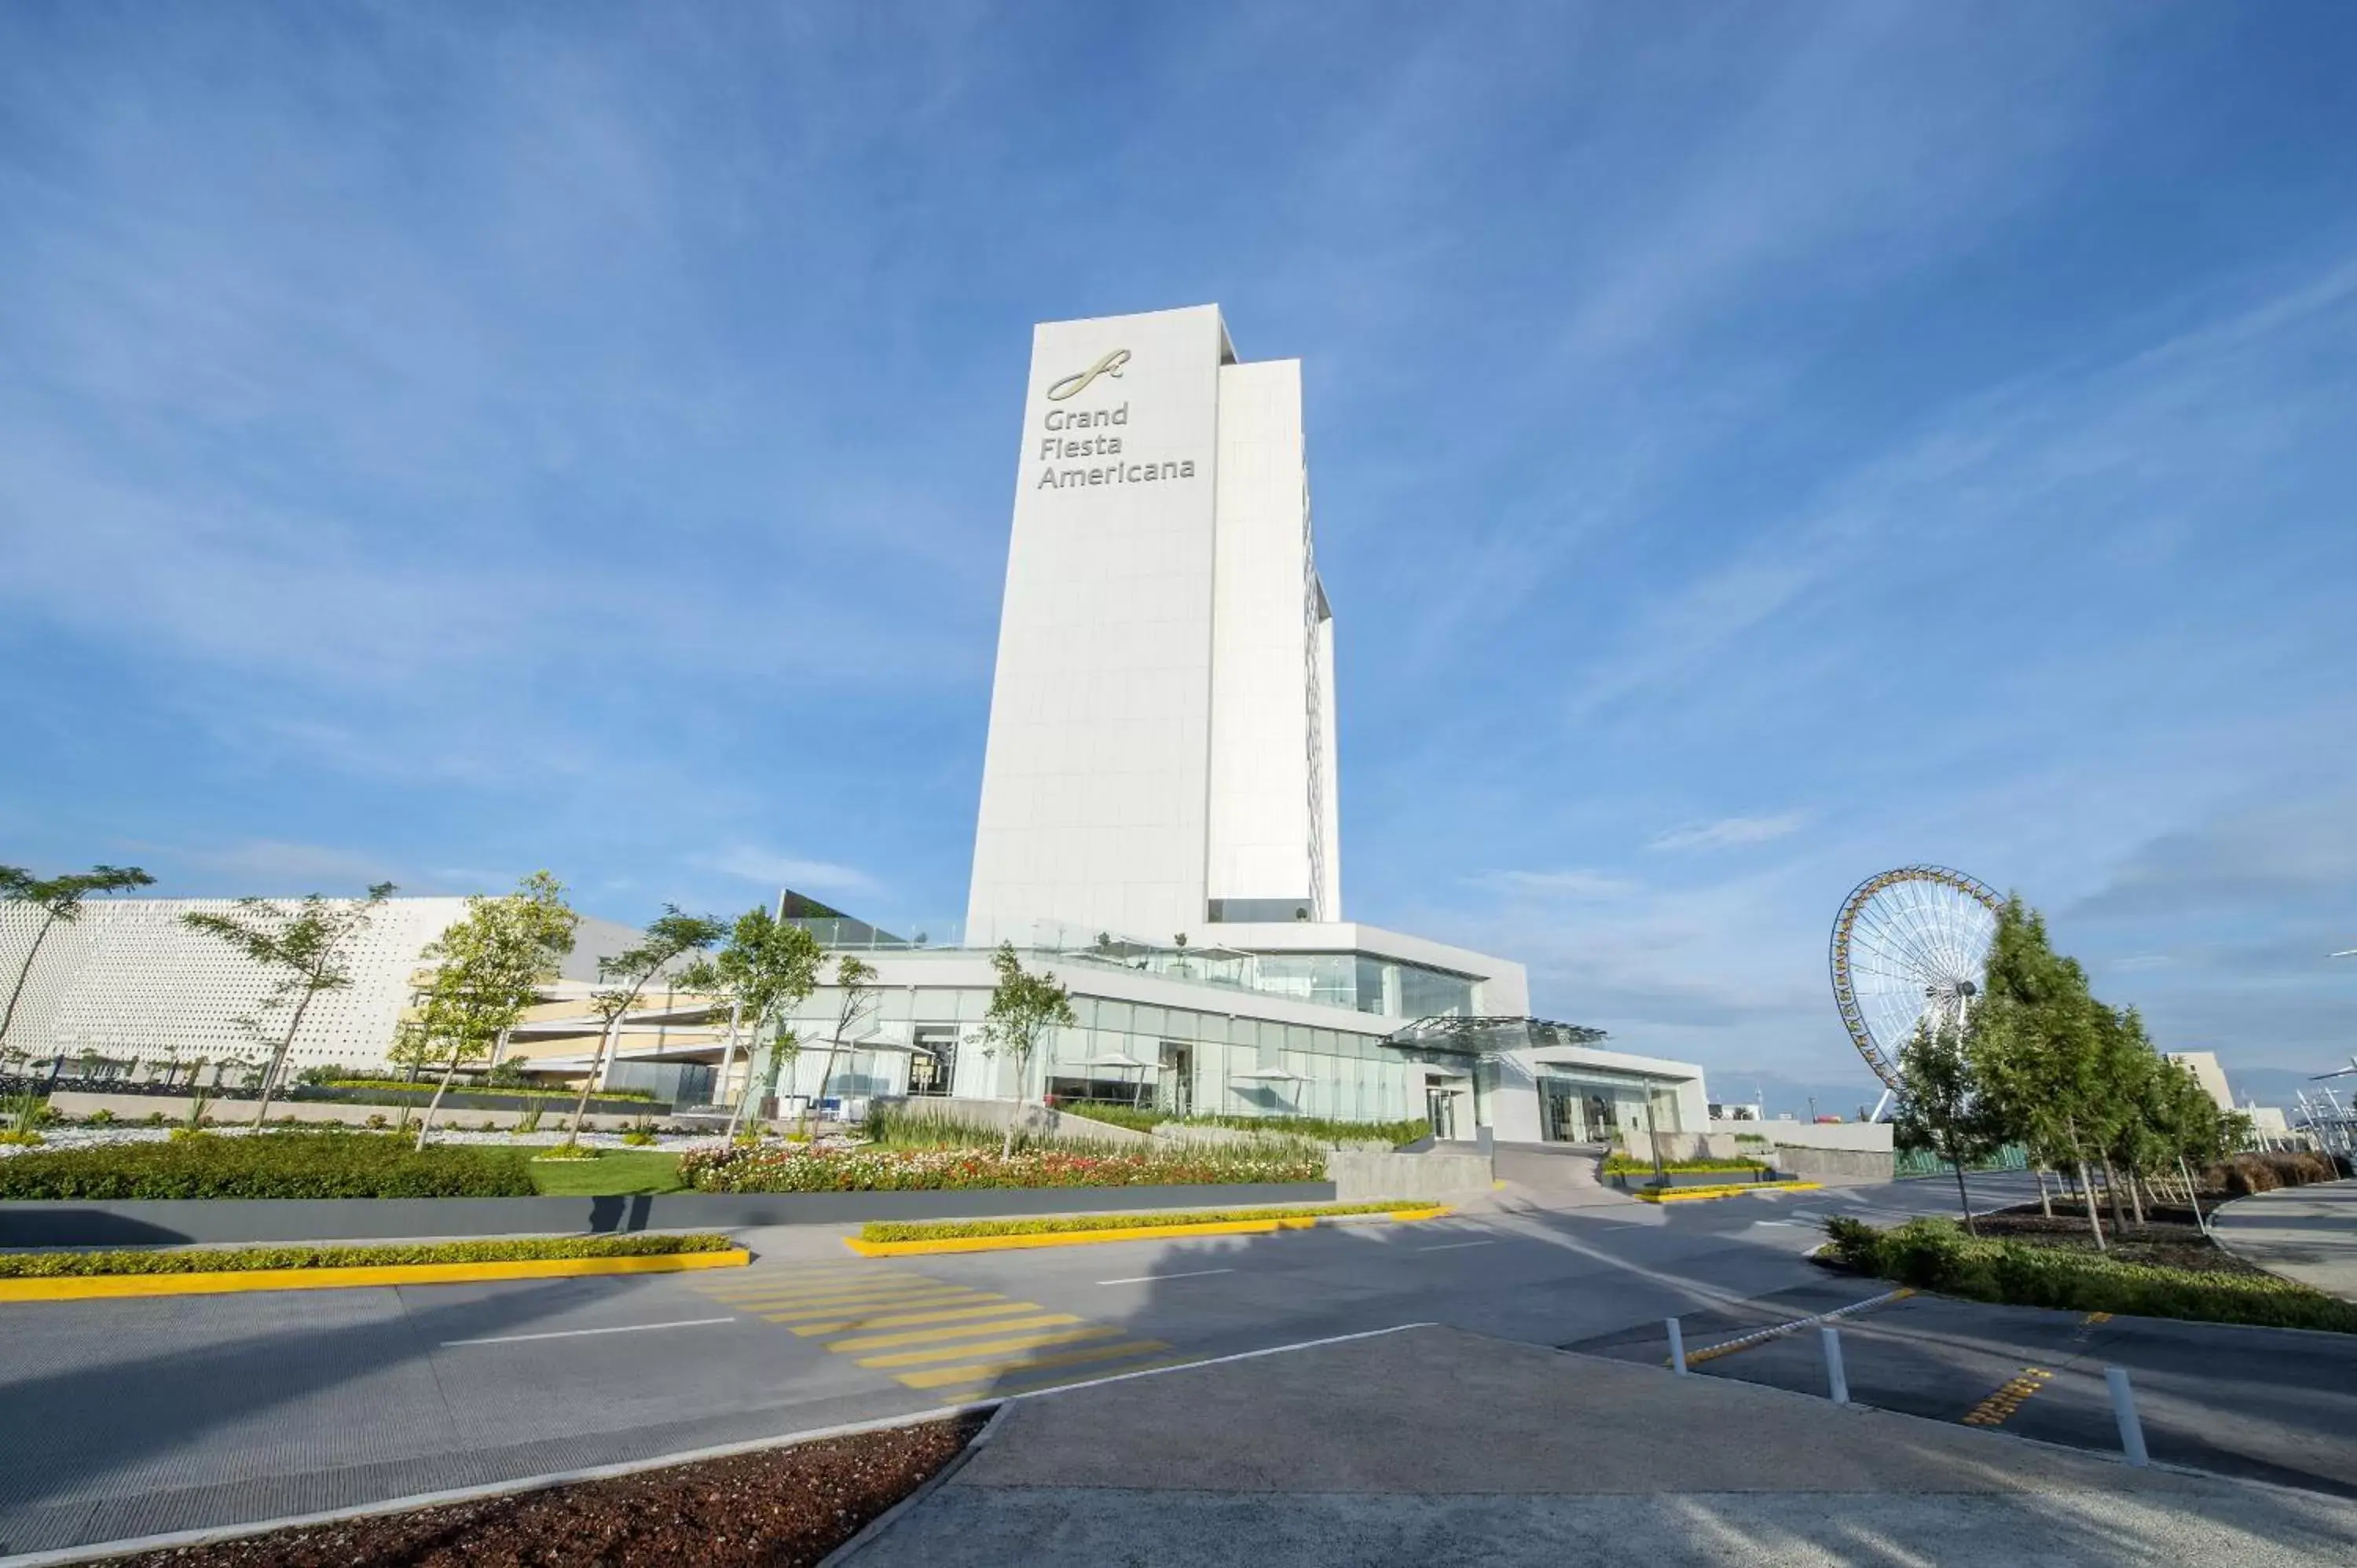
(129, 980)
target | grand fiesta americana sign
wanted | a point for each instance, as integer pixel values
(1076, 442)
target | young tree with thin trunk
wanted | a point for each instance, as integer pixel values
(59, 898)
(305, 948)
(855, 1001)
(1946, 1108)
(1023, 1006)
(670, 937)
(767, 968)
(2036, 1041)
(489, 967)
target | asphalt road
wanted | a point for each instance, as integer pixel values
(131, 1417)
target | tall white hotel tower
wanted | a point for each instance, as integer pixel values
(1161, 752)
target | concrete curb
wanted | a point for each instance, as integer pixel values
(1021, 1240)
(925, 1488)
(1706, 1194)
(93, 1287)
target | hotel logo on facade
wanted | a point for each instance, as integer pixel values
(1109, 429)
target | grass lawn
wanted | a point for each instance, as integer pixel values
(612, 1173)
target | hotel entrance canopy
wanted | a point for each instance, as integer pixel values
(1462, 1037)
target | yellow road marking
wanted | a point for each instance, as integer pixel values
(943, 1377)
(1034, 1385)
(842, 1293)
(833, 1310)
(754, 1284)
(935, 1336)
(2097, 1317)
(903, 1319)
(987, 1347)
(1994, 1410)
(865, 1293)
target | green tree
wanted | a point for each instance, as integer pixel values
(1023, 1006)
(489, 967)
(767, 967)
(1946, 1108)
(303, 948)
(855, 1001)
(2038, 1046)
(669, 937)
(57, 898)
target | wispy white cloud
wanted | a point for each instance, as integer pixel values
(1728, 832)
(748, 863)
(1565, 884)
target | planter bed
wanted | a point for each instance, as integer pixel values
(775, 1508)
(1631, 1181)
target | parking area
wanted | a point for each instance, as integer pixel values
(2263, 1404)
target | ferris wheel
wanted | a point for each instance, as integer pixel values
(1908, 946)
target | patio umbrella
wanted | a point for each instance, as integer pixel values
(1122, 1059)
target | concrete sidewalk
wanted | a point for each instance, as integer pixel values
(1433, 1446)
(2304, 1233)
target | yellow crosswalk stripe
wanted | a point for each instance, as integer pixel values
(806, 1313)
(828, 1288)
(985, 1348)
(935, 1336)
(946, 1377)
(782, 1284)
(820, 1302)
(905, 1319)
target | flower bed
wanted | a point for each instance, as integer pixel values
(797, 1168)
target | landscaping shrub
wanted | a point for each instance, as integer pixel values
(240, 1259)
(2246, 1173)
(1137, 1120)
(1622, 1165)
(321, 1164)
(795, 1167)
(1316, 1129)
(1054, 1225)
(1936, 1255)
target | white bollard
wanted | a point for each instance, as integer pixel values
(1678, 1346)
(1837, 1380)
(2124, 1411)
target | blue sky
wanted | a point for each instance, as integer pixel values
(1753, 447)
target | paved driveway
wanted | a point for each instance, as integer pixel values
(131, 1417)
(2305, 1233)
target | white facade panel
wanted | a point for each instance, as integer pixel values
(1263, 840)
(129, 980)
(1093, 790)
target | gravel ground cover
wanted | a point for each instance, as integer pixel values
(782, 1508)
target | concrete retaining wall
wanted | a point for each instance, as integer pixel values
(1360, 1176)
(554, 1115)
(1873, 1137)
(1640, 1145)
(1836, 1165)
(179, 1221)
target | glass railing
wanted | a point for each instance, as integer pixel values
(1361, 983)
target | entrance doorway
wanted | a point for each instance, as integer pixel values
(1440, 1108)
(1174, 1080)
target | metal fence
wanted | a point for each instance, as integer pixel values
(1922, 1162)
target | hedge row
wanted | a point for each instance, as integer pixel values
(241, 1260)
(1935, 1254)
(311, 1164)
(958, 1230)
(1622, 1165)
